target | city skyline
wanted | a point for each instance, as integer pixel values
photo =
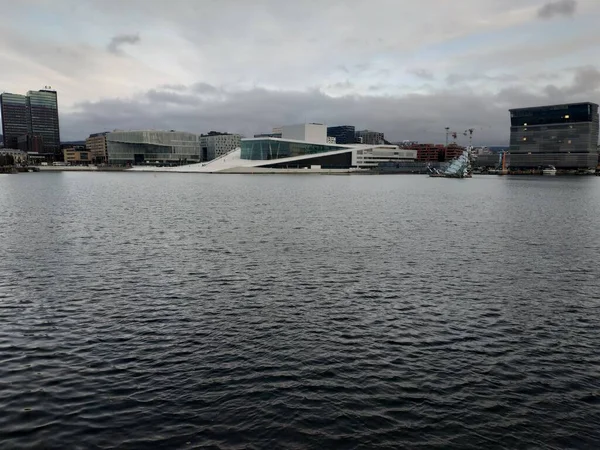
(235, 66)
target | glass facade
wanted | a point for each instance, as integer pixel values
(344, 134)
(552, 115)
(43, 108)
(34, 114)
(15, 118)
(266, 149)
(549, 135)
(135, 147)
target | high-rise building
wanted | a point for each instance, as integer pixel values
(370, 137)
(43, 109)
(16, 120)
(34, 114)
(343, 134)
(565, 136)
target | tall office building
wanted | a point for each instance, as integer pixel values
(16, 120)
(565, 136)
(343, 134)
(43, 108)
(33, 115)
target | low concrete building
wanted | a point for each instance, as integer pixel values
(369, 137)
(371, 156)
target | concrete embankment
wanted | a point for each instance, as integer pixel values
(80, 169)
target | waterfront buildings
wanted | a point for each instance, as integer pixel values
(97, 147)
(77, 155)
(303, 146)
(215, 144)
(343, 134)
(369, 137)
(372, 156)
(565, 136)
(164, 147)
(34, 115)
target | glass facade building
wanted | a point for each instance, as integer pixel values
(16, 120)
(35, 115)
(136, 147)
(266, 149)
(43, 109)
(565, 136)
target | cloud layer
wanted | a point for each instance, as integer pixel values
(558, 8)
(406, 68)
(114, 46)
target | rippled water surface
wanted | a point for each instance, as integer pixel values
(204, 311)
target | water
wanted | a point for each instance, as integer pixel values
(223, 311)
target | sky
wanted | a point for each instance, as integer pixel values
(406, 68)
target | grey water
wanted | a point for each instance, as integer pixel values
(176, 311)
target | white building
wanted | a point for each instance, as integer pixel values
(309, 132)
(370, 156)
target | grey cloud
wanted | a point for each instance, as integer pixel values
(117, 41)
(558, 8)
(424, 74)
(165, 97)
(587, 79)
(457, 78)
(174, 87)
(204, 88)
(415, 116)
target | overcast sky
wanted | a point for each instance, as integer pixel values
(407, 68)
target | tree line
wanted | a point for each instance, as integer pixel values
(7, 160)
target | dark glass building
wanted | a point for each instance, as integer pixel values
(344, 134)
(16, 120)
(565, 136)
(34, 114)
(43, 108)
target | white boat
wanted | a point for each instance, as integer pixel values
(549, 170)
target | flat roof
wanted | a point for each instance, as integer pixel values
(557, 106)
